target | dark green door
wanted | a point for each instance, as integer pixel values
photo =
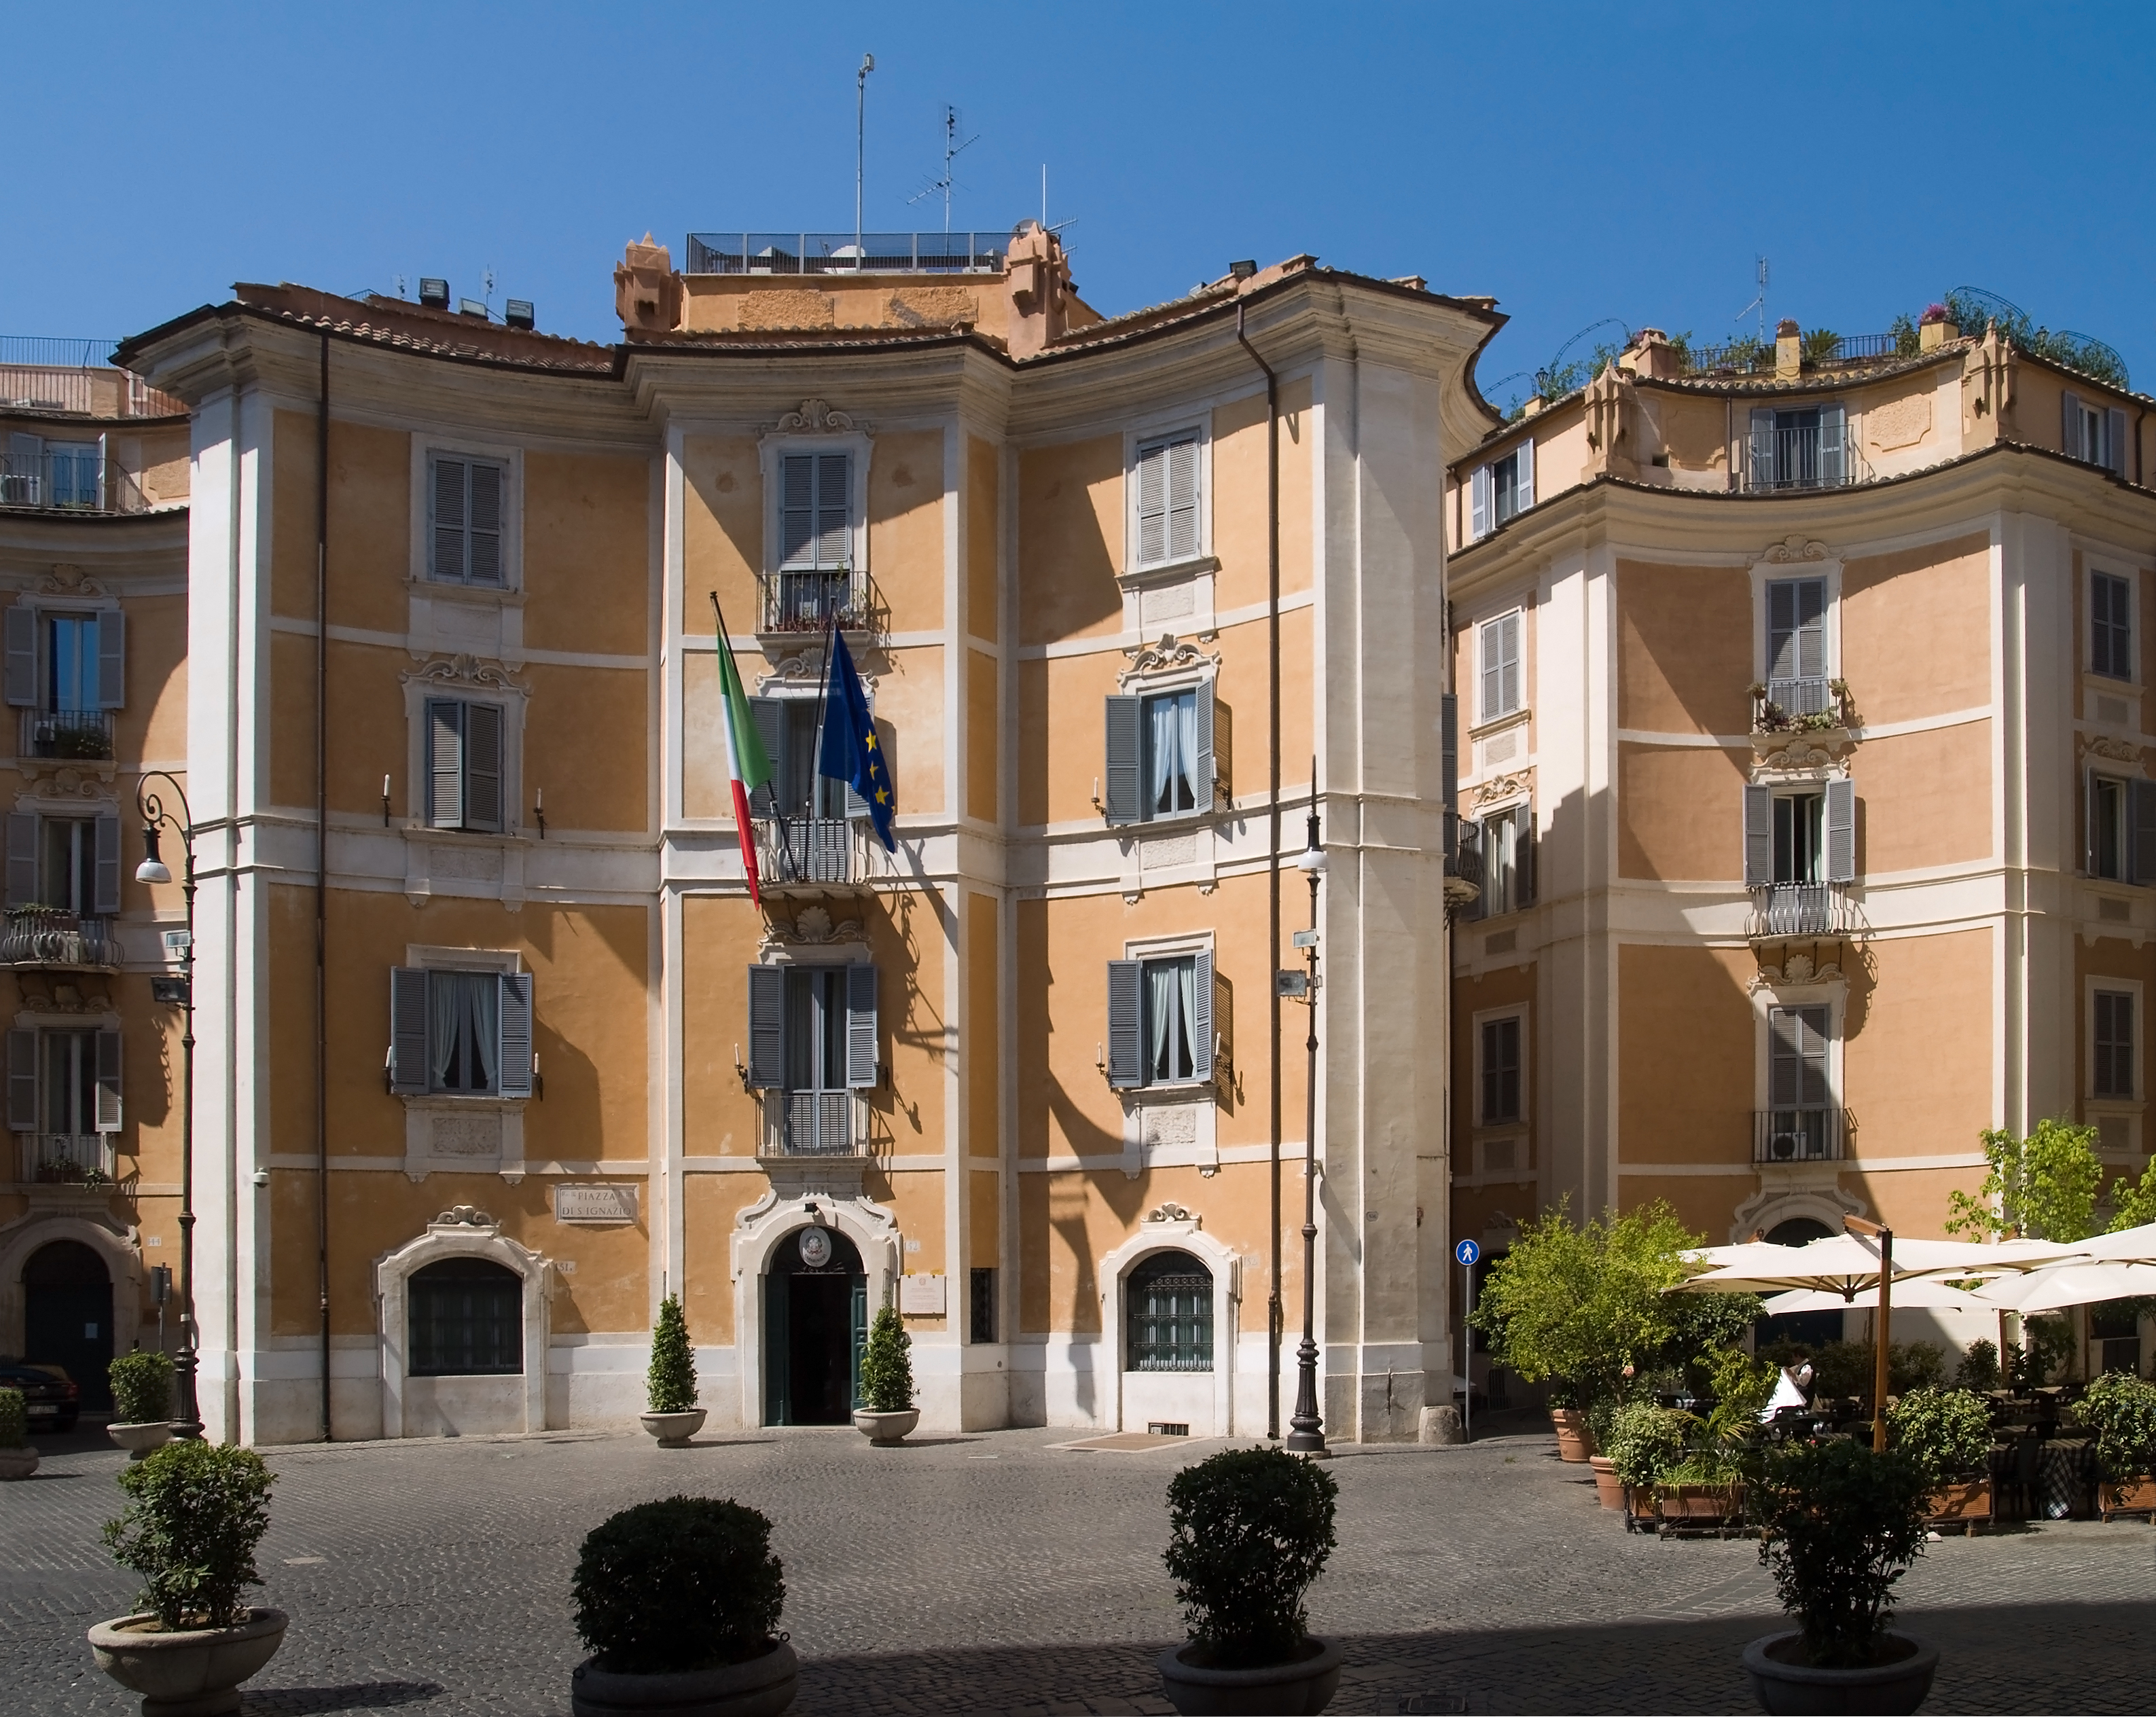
(860, 1332)
(68, 1316)
(777, 1350)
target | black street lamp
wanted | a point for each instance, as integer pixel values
(187, 1422)
(1307, 1436)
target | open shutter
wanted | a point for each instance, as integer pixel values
(483, 771)
(1762, 473)
(2141, 825)
(21, 859)
(1478, 504)
(2116, 447)
(797, 510)
(1841, 831)
(1759, 837)
(1833, 444)
(111, 660)
(513, 1060)
(1203, 772)
(834, 506)
(1183, 498)
(1523, 464)
(1508, 683)
(107, 892)
(22, 1082)
(1523, 856)
(1201, 1021)
(769, 715)
(21, 660)
(1153, 505)
(1125, 1053)
(108, 1082)
(766, 1026)
(485, 564)
(450, 477)
(1121, 759)
(2070, 420)
(1449, 770)
(408, 1030)
(861, 1070)
(445, 764)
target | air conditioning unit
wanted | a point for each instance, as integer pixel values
(1785, 1147)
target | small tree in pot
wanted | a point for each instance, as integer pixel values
(887, 1412)
(1842, 1525)
(1947, 1433)
(679, 1600)
(195, 1513)
(1249, 1531)
(18, 1458)
(2121, 1409)
(671, 1414)
(142, 1402)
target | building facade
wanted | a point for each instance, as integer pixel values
(495, 1049)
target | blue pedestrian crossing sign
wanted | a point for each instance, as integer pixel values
(1467, 1251)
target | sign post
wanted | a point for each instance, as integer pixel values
(1468, 1253)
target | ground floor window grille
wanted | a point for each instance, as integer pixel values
(467, 1318)
(1171, 1316)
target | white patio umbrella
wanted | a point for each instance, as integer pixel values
(2127, 1246)
(2074, 1282)
(1850, 1263)
(1920, 1292)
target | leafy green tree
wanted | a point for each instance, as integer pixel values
(2042, 1187)
(673, 1378)
(2133, 1202)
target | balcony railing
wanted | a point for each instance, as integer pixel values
(1463, 864)
(815, 1124)
(800, 603)
(1803, 1134)
(811, 852)
(84, 734)
(834, 253)
(47, 936)
(76, 483)
(1810, 702)
(1789, 461)
(1796, 909)
(76, 376)
(66, 1159)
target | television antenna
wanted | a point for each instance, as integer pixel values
(488, 299)
(1759, 304)
(953, 149)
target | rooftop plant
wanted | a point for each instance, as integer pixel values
(672, 1383)
(1842, 1526)
(688, 1582)
(141, 1387)
(1249, 1531)
(195, 1513)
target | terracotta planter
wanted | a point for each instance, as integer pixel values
(674, 1430)
(1607, 1490)
(195, 1673)
(2137, 1496)
(1574, 1441)
(1641, 1503)
(1785, 1684)
(763, 1687)
(138, 1439)
(1706, 1503)
(17, 1463)
(1964, 1502)
(1304, 1684)
(886, 1427)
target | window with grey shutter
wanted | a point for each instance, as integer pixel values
(514, 1062)
(1498, 643)
(106, 895)
(1168, 499)
(465, 774)
(1120, 760)
(2073, 426)
(769, 715)
(1833, 445)
(1125, 1023)
(1796, 645)
(483, 782)
(1201, 1020)
(2113, 1036)
(445, 764)
(1523, 475)
(451, 479)
(2111, 625)
(22, 1082)
(2116, 447)
(108, 1082)
(1501, 1071)
(408, 1030)
(1762, 473)
(815, 512)
(484, 530)
(1523, 856)
(862, 1073)
(767, 1028)
(467, 499)
(2141, 832)
(1758, 836)
(1841, 840)
(1204, 774)
(22, 656)
(1481, 497)
(1449, 771)
(111, 659)
(21, 859)
(1797, 1057)
(2109, 822)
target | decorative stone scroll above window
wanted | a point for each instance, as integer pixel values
(1799, 970)
(813, 927)
(1506, 788)
(1796, 550)
(814, 418)
(1173, 1213)
(1169, 654)
(2118, 750)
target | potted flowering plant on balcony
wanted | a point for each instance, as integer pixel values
(141, 1402)
(2121, 1409)
(18, 1459)
(673, 1415)
(887, 1412)
(1947, 1433)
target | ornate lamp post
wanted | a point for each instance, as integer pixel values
(1307, 1436)
(187, 1422)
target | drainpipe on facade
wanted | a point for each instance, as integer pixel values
(1272, 850)
(322, 871)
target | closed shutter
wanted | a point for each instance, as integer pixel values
(22, 1082)
(485, 560)
(450, 477)
(1524, 465)
(767, 1028)
(2141, 832)
(22, 658)
(1509, 680)
(1833, 444)
(108, 1082)
(856, 806)
(1764, 475)
(1202, 772)
(833, 480)
(1841, 831)
(112, 661)
(796, 510)
(1153, 505)
(1201, 1021)
(1120, 760)
(1485, 844)
(445, 764)
(2116, 447)
(21, 859)
(1125, 1051)
(1183, 498)
(1523, 856)
(2071, 439)
(514, 1062)
(1796, 634)
(1759, 837)
(769, 715)
(483, 770)
(107, 892)
(1449, 770)
(1478, 508)
(408, 1030)
(862, 1073)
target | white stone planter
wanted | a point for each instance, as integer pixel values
(140, 1438)
(763, 1687)
(674, 1430)
(17, 1463)
(1787, 1684)
(196, 1673)
(1305, 1685)
(885, 1427)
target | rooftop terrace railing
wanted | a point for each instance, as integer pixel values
(76, 376)
(835, 252)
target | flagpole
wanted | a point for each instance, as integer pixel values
(777, 806)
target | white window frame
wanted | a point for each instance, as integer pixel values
(1767, 572)
(45, 1024)
(423, 688)
(2124, 855)
(1150, 434)
(420, 575)
(1200, 1094)
(1832, 995)
(1483, 717)
(772, 450)
(1523, 1120)
(2118, 1121)
(424, 1111)
(2108, 685)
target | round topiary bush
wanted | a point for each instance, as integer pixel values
(1249, 1529)
(1946, 1432)
(141, 1388)
(672, 1383)
(887, 1366)
(195, 1513)
(685, 1583)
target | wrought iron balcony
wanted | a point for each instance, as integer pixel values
(1463, 863)
(1789, 461)
(1799, 1135)
(48, 937)
(82, 734)
(1803, 702)
(812, 1124)
(78, 483)
(835, 252)
(67, 1159)
(794, 603)
(1796, 909)
(798, 855)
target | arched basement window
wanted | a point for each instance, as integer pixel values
(467, 1320)
(1171, 1314)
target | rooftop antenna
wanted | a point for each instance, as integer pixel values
(400, 286)
(1759, 304)
(488, 299)
(953, 148)
(1060, 225)
(860, 133)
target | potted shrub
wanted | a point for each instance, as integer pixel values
(1947, 1433)
(1708, 1486)
(673, 1415)
(195, 1513)
(1842, 1524)
(1249, 1529)
(679, 1602)
(18, 1459)
(887, 1412)
(141, 1402)
(1647, 1443)
(2121, 1409)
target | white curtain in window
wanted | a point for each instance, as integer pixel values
(1161, 736)
(1163, 996)
(485, 1023)
(446, 1016)
(1187, 982)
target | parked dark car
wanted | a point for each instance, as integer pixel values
(51, 1401)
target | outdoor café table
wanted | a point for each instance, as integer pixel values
(2065, 1475)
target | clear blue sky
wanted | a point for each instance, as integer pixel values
(1574, 161)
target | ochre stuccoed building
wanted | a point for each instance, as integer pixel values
(1805, 766)
(450, 593)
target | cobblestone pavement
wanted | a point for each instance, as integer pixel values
(996, 1572)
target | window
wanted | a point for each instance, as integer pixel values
(2121, 819)
(2094, 435)
(1171, 1314)
(63, 1082)
(69, 671)
(1507, 839)
(1497, 645)
(1166, 512)
(1501, 490)
(466, 502)
(68, 863)
(37, 473)
(2111, 627)
(465, 784)
(792, 740)
(458, 1032)
(1796, 646)
(1804, 447)
(1158, 751)
(1799, 1125)
(982, 1328)
(467, 1320)
(1499, 1103)
(812, 1044)
(1801, 836)
(1161, 1021)
(2114, 1044)
(815, 513)
(1799, 821)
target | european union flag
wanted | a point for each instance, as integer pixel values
(852, 752)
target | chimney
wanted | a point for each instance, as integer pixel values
(1933, 329)
(1788, 350)
(647, 292)
(1038, 277)
(1651, 355)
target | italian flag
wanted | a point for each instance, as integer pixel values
(745, 761)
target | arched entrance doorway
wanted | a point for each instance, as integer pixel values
(67, 1304)
(1812, 1330)
(815, 1324)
